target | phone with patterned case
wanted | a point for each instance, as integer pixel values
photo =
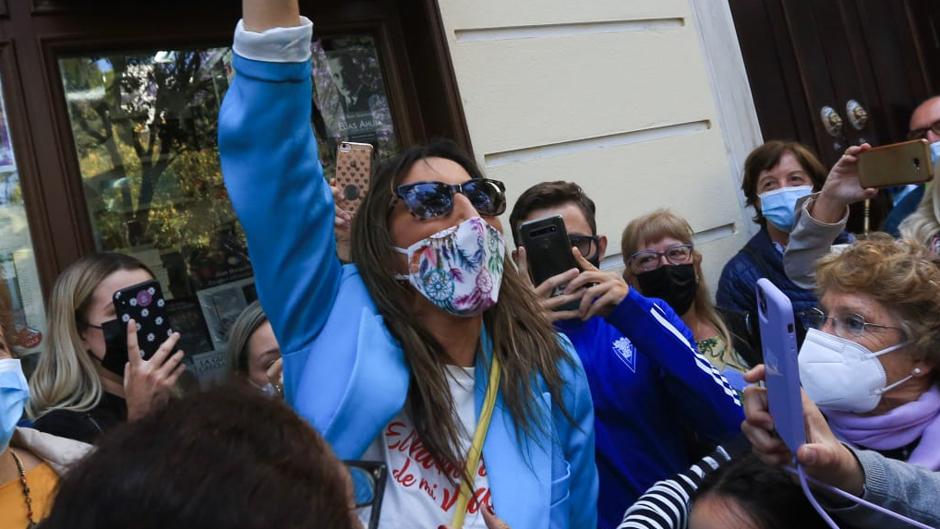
(353, 172)
(145, 304)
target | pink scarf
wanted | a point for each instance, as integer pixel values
(897, 428)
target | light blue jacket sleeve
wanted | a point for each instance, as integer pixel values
(275, 181)
(702, 395)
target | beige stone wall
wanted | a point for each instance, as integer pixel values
(612, 94)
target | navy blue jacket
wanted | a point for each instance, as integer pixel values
(759, 258)
(650, 386)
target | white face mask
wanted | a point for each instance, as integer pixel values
(839, 374)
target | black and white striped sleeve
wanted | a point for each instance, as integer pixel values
(666, 504)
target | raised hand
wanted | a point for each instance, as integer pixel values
(342, 227)
(544, 291)
(260, 15)
(601, 292)
(842, 188)
(823, 456)
(149, 383)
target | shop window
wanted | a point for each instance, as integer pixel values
(20, 277)
(145, 126)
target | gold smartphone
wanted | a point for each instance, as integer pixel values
(897, 164)
(353, 172)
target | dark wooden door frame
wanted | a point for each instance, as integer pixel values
(34, 34)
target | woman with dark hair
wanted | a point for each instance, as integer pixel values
(748, 494)
(203, 461)
(429, 349)
(777, 175)
(253, 350)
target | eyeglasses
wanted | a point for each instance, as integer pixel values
(921, 133)
(584, 243)
(427, 200)
(368, 480)
(844, 325)
(648, 260)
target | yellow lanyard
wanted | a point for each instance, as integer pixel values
(476, 447)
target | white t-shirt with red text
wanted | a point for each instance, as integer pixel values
(418, 494)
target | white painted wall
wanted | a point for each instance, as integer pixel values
(618, 96)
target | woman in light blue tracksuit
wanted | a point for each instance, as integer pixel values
(344, 329)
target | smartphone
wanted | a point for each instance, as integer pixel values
(778, 341)
(145, 304)
(353, 172)
(548, 251)
(897, 164)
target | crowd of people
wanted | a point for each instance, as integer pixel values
(402, 369)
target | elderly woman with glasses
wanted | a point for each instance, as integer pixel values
(661, 262)
(871, 354)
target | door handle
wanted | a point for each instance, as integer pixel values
(856, 113)
(831, 121)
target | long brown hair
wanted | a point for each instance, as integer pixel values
(523, 339)
(656, 226)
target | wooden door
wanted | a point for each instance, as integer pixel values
(813, 63)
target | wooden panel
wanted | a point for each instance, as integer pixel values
(579, 87)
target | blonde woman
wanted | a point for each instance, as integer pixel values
(71, 393)
(922, 225)
(661, 262)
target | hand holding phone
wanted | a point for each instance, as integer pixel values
(148, 382)
(145, 304)
(353, 173)
(902, 163)
(778, 339)
(548, 252)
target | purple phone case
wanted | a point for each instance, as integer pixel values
(778, 338)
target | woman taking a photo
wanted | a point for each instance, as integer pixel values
(402, 356)
(72, 393)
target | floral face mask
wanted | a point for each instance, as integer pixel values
(458, 269)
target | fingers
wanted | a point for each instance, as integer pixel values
(756, 374)
(756, 409)
(173, 377)
(549, 285)
(555, 302)
(586, 278)
(582, 262)
(163, 352)
(167, 368)
(522, 263)
(608, 300)
(133, 349)
(491, 521)
(768, 448)
(273, 373)
(817, 429)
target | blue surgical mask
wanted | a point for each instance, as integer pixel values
(779, 206)
(935, 156)
(14, 392)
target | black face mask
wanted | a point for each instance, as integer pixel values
(674, 284)
(115, 346)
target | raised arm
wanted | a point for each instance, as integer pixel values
(273, 174)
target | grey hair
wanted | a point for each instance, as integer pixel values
(247, 323)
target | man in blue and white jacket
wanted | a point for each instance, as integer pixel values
(650, 386)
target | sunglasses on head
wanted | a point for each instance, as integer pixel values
(428, 200)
